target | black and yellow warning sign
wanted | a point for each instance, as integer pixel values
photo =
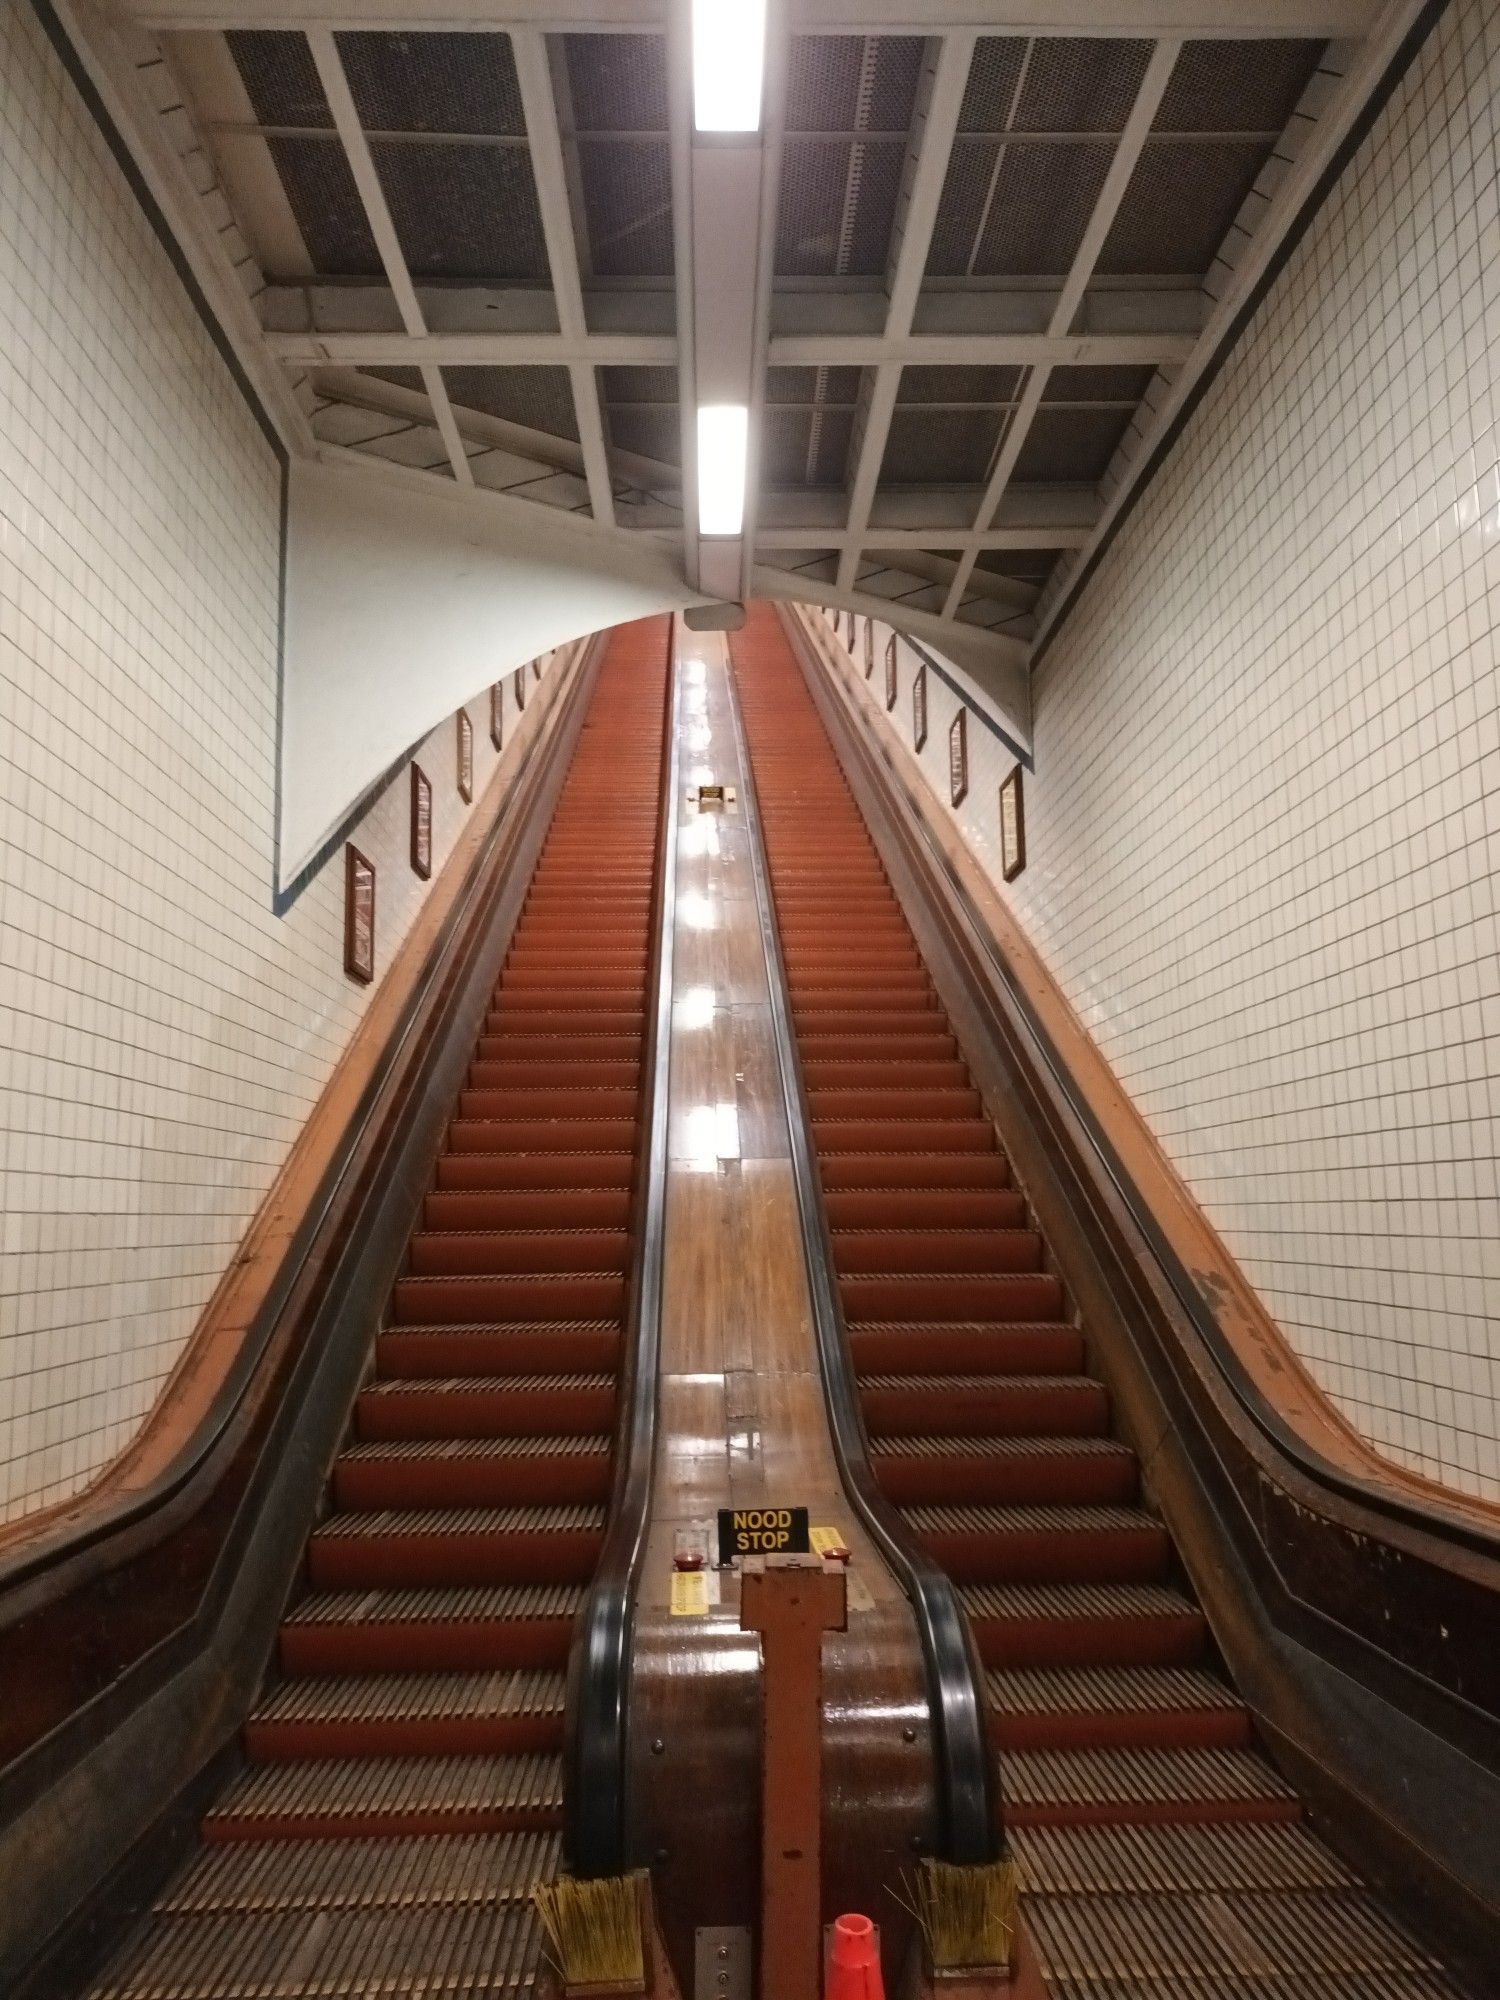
(762, 1531)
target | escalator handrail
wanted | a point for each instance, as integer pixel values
(29, 1562)
(1283, 1439)
(596, 1759)
(967, 1805)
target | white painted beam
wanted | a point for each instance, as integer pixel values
(474, 350)
(330, 68)
(539, 108)
(935, 539)
(391, 348)
(1252, 20)
(1127, 154)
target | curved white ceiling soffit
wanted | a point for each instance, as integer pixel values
(403, 603)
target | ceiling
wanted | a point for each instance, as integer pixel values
(986, 258)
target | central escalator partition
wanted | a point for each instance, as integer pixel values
(1155, 1839)
(401, 1792)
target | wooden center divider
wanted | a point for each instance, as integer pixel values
(742, 1422)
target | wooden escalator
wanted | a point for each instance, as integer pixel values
(1159, 1847)
(401, 1790)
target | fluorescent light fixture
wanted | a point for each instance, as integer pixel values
(723, 441)
(729, 59)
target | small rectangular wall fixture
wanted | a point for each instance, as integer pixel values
(723, 444)
(729, 59)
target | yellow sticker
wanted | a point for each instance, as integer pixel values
(826, 1540)
(689, 1593)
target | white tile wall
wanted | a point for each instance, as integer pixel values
(1264, 829)
(163, 1035)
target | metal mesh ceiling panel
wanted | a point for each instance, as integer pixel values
(852, 83)
(805, 446)
(1237, 86)
(812, 385)
(325, 202)
(1097, 385)
(839, 193)
(939, 447)
(627, 203)
(958, 385)
(1177, 210)
(463, 211)
(1080, 86)
(1042, 200)
(618, 83)
(838, 207)
(1032, 566)
(280, 78)
(539, 398)
(641, 413)
(994, 75)
(433, 82)
(1071, 445)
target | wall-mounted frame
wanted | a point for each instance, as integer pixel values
(359, 915)
(1012, 827)
(869, 647)
(891, 685)
(519, 678)
(465, 757)
(421, 823)
(958, 759)
(919, 708)
(497, 715)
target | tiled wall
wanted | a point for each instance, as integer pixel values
(1264, 827)
(163, 1035)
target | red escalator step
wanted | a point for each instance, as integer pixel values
(459, 1252)
(470, 1406)
(984, 1405)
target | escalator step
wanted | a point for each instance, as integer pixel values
(476, 1406)
(1065, 1625)
(965, 1347)
(1041, 1405)
(521, 1347)
(409, 1715)
(490, 1950)
(1016, 1471)
(1239, 1855)
(430, 1630)
(392, 1548)
(1114, 1708)
(467, 1472)
(1038, 1544)
(451, 1870)
(1089, 1786)
(385, 1797)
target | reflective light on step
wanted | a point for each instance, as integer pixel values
(729, 57)
(699, 913)
(723, 445)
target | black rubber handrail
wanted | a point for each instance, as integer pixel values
(967, 1806)
(31, 1561)
(596, 1750)
(1429, 1519)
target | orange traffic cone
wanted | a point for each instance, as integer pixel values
(854, 1961)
